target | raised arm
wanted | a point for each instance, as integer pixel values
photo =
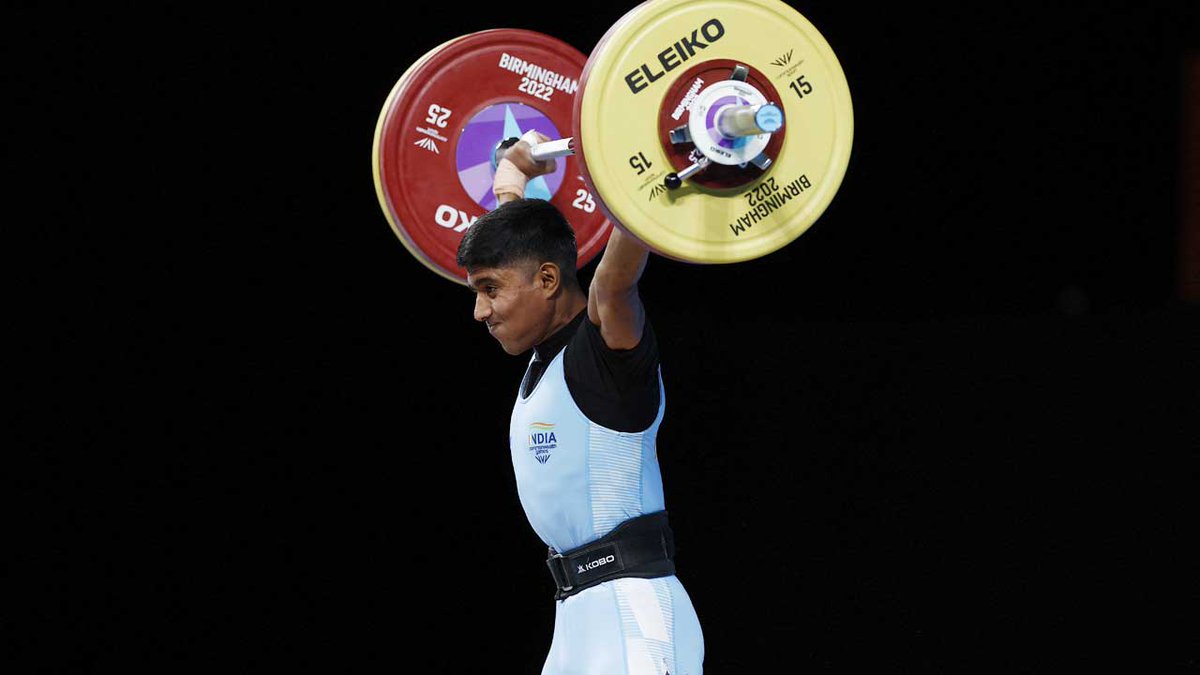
(613, 300)
(517, 166)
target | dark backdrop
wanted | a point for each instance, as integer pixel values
(950, 428)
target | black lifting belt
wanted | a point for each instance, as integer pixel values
(639, 547)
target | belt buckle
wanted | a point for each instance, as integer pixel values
(557, 570)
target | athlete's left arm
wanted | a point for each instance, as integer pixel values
(613, 300)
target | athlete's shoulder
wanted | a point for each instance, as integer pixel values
(589, 337)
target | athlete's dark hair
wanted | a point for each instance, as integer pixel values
(529, 231)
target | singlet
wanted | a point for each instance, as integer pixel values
(578, 479)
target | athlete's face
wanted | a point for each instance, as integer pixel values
(514, 303)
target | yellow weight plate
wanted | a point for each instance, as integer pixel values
(625, 161)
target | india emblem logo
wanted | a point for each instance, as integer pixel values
(542, 440)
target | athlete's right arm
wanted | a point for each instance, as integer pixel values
(517, 167)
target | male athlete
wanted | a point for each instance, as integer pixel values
(582, 432)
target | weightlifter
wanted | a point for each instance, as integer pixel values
(582, 431)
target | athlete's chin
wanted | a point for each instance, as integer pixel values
(511, 350)
(503, 344)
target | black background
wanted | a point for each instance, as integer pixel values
(950, 428)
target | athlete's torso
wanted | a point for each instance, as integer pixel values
(578, 479)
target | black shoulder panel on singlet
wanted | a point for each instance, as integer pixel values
(615, 388)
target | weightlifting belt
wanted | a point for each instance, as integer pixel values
(639, 547)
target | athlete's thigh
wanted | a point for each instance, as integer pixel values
(558, 644)
(627, 626)
(587, 635)
(687, 635)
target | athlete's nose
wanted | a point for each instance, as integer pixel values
(483, 307)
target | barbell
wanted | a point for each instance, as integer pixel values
(714, 131)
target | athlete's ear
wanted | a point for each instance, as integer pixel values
(549, 278)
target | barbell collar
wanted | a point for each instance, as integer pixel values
(675, 180)
(681, 135)
(762, 161)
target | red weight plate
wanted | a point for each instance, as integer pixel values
(439, 128)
